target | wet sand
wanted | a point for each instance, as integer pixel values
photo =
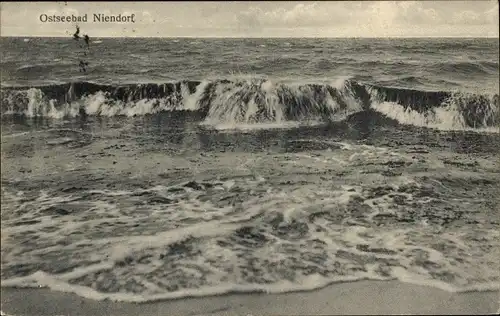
(365, 297)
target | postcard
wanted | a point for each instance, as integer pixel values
(250, 158)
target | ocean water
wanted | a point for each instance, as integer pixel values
(194, 167)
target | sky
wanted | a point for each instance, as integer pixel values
(261, 19)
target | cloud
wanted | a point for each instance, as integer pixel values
(369, 17)
(338, 18)
(374, 16)
(301, 15)
(467, 18)
(413, 12)
(380, 15)
(147, 17)
(305, 14)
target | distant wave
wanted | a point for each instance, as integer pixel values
(256, 100)
(42, 68)
(467, 67)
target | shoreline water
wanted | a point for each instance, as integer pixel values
(366, 159)
(362, 297)
(105, 165)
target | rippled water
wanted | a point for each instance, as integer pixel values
(288, 178)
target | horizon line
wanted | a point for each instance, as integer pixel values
(260, 37)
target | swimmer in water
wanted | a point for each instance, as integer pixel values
(76, 36)
(83, 64)
(87, 40)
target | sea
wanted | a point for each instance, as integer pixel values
(181, 167)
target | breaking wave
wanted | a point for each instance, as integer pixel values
(257, 101)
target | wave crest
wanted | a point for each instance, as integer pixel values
(255, 100)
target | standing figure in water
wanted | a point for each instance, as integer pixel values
(83, 64)
(76, 36)
(87, 40)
